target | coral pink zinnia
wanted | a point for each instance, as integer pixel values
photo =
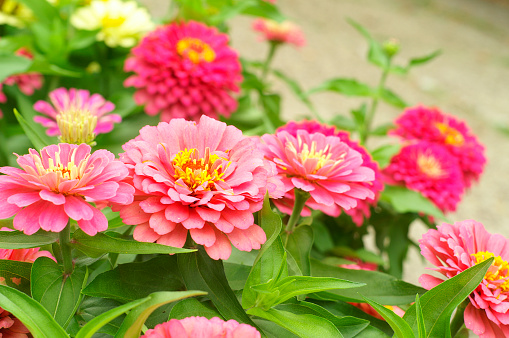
(430, 124)
(453, 248)
(362, 210)
(202, 327)
(430, 169)
(70, 101)
(12, 327)
(327, 168)
(58, 183)
(204, 178)
(279, 32)
(185, 70)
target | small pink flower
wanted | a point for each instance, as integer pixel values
(430, 124)
(12, 327)
(453, 248)
(58, 184)
(204, 178)
(284, 32)
(27, 82)
(24, 255)
(70, 100)
(327, 168)
(185, 70)
(363, 209)
(194, 327)
(430, 169)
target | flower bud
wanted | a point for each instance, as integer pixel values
(77, 126)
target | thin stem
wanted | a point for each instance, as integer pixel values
(458, 321)
(65, 248)
(300, 200)
(268, 60)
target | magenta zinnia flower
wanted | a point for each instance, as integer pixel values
(202, 327)
(430, 169)
(12, 327)
(58, 184)
(324, 166)
(279, 32)
(185, 70)
(362, 210)
(206, 179)
(453, 248)
(69, 101)
(430, 124)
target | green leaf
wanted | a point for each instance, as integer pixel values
(42, 10)
(439, 303)
(92, 307)
(37, 139)
(13, 64)
(295, 88)
(421, 328)
(265, 10)
(44, 66)
(271, 224)
(299, 245)
(383, 154)
(405, 200)
(32, 314)
(348, 87)
(131, 327)
(391, 98)
(16, 274)
(132, 281)
(236, 274)
(376, 53)
(304, 325)
(397, 248)
(18, 240)
(193, 307)
(383, 129)
(58, 293)
(343, 122)
(272, 107)
(104, 242)
(400, 327)
(416, 62)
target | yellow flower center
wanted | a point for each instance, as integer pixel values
(112, 21)
(498, 273)
(196, 171)
(65, 171)
(429, 166)
(195, 50)
(310, 156)
(76, 126)
(452, 136)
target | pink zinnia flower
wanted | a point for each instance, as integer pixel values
(68, 101)
(185, 70)
(279, 32)
(24, 255)
(27, 82)
(430, 169)
(430, 124)
(327, 168)
(453, 248)
(58, 184)
(204, 178)
(12, 327)
(363, 208)
(202, 327)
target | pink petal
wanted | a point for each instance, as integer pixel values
(53, 218)
(176, 238)
(94, 225)
(23, 199)
(160, 224)
(194, 221)
(27, 220)
(144, 233)
(204, 236)
(50, 196)
(177, 212)
(77, 209)
(222, 247)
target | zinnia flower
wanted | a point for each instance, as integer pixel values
(26, 82)
(24, 255)
(3, 99)
(430, 124)
(68, 105)
(58, 184)
(185, 70)
(206, 179)
(362, 210)
(284, 32)
(12, 327)
(430, 169)
(14, 13)
(202, 327)
(453, 248)
(120, 23)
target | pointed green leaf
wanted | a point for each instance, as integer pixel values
(295, 88)
(264, 9)
(406, 200)
(13, 64)
(193, 307)
(42, 10)
(92, 307)
(18, 240)
(421, 328)
(37, 139)
(392, 98)
(299, 245)
(400, 327)
(348, 87)
(384, 153)
(16, 274)
(376, 54)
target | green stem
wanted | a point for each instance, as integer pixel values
(65, 248)
(268, 60)
(458, 321)
(300, 200)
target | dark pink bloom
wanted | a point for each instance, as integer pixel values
(327, 168)
(430, 124)
(185, 70)
(453, 248)
(12, 327)
(281, 32)
(204, 178)
(27, 82)
(430, 169)
(58, 184)
(194, 327)
(362, 210)
(70, 100)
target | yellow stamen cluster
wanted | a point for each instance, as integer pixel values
(429, 166)
(452, 136)
(112, 21)
(498, 271)
(309, 154)
(195, 50)
(64, 170)
(196, 171)
(76, 126)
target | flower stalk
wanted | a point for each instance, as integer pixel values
(301, 198)
(65, 249)
(458, 321)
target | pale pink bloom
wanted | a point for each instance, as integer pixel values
(204, 178)
(27, 82)
(24, 255)
(327, 168)
(185, 70)
(363, 209)
(430, 169)
(201, 327)
(12, 327)
(431, 124)
(281, 32)
(453, 248)
(58, 184)
(69, 100)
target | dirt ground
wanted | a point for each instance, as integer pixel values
(470, 79)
